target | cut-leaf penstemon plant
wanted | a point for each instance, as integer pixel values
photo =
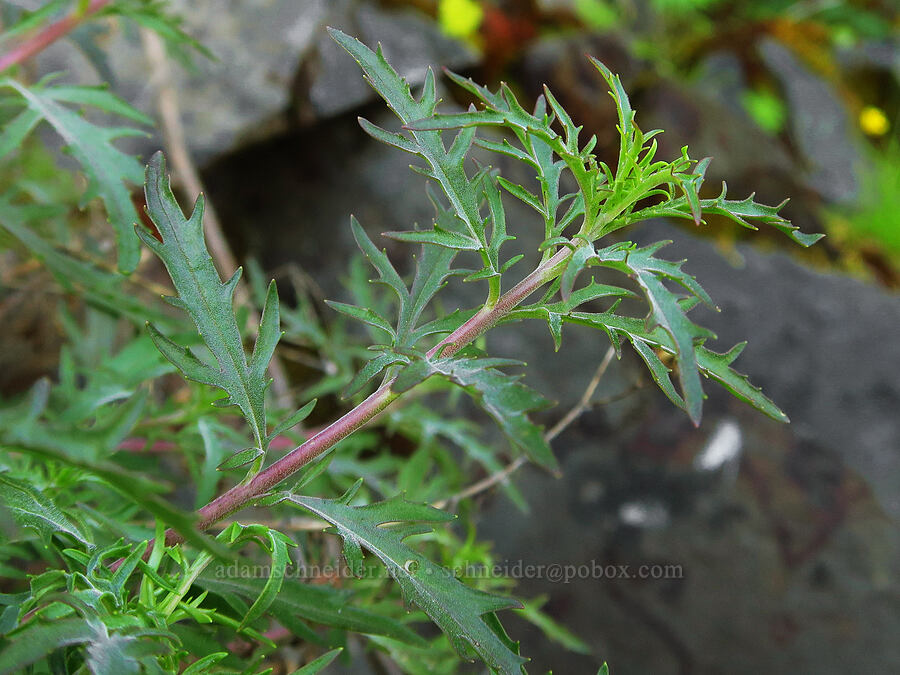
(111, 592)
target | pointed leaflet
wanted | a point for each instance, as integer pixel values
(108, 169)
(370, 369)
(317, 665)
(457, 609)
(433, 267)
(208, 301)
(274, 543)
(446, 167)
(668, 313)
(502, 396)
(554, 312)
(665, 309)
(711, 364)
(626, 118)
(746, 212)
(292, 420)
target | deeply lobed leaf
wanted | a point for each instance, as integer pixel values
(209, 303)
(466, 615)
(108, 169)
(444, 166)
(502, 396)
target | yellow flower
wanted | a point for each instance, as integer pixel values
(873, 121)
(460, 18)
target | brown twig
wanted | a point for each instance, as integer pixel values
(183, 167)
(585, 400)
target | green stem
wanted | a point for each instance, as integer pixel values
(200, 564)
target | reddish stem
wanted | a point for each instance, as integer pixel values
(48, 35)
(241, 495)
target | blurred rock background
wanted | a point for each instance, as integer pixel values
(787, 536)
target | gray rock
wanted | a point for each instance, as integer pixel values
(411, 42)
(257, 47)
(790, 546)
(821, 346)
(820, 125)
(721, 77)
(883, 55)
(246, 93)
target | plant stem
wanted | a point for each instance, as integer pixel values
(174, 599)
(48, 35)
(240, 495)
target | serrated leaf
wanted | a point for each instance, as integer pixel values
(31, 509)
(625, 114)
(554, 313)
(436, 236)
(433, 267)
(718, 367)
(712, 364)
(457, 609)
(446, 167)
(502, 396)
(209, 303)
(33, 642)
(108, 169)
(745, 212)
(536, 134)
(666, 310)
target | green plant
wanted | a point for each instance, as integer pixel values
(874, 221)
(119, 580)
